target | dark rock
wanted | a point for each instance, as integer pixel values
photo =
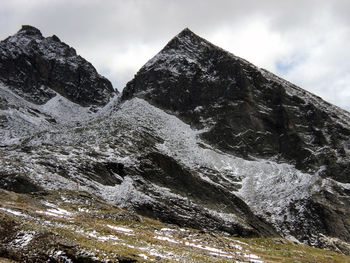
(126, 260)
(324, 213)
(3, 121)
(106, 173)
(29, 30)
(115, 167)
(3, 104)
(36, 68)
(18, 183)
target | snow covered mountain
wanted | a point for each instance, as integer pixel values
(298, 143)
(37, 68)
(199, 138)
(247, 111)
(43, 84)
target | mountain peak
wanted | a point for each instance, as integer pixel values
(184, 46)
(185, 38)
(186, 32)
(37, 67)
(29, 30)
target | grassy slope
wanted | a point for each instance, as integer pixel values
(78, 227)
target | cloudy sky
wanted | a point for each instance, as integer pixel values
(304, 41)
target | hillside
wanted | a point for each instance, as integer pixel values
(78, 227)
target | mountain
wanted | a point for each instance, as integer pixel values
(37, 68)
(44, 83)
(199, 138)
(247, 111)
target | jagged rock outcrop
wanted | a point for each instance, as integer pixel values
(36, 67)
(248, 111)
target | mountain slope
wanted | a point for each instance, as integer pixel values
(125, 159)
(144, 159)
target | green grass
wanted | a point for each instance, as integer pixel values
(277, 249)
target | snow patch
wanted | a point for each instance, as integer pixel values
(121, 229)
(23, 239)
(163, 238)
(16, 213)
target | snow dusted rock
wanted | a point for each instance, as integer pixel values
(20, 119)
(36, 68)
(138, 158)
(45, 85)
(248, 112)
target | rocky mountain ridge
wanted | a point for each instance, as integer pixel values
(46, 85)
(37, 68)
(199, 138)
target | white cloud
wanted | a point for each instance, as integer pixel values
(120, 63)
(252, 40)
(325, 67)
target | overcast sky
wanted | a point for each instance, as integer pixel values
(304, 41)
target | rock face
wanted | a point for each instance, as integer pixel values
(248, 112)
(37, 68)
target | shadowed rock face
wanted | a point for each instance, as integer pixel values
(18, 183)
(36, 68)
(248, 111)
